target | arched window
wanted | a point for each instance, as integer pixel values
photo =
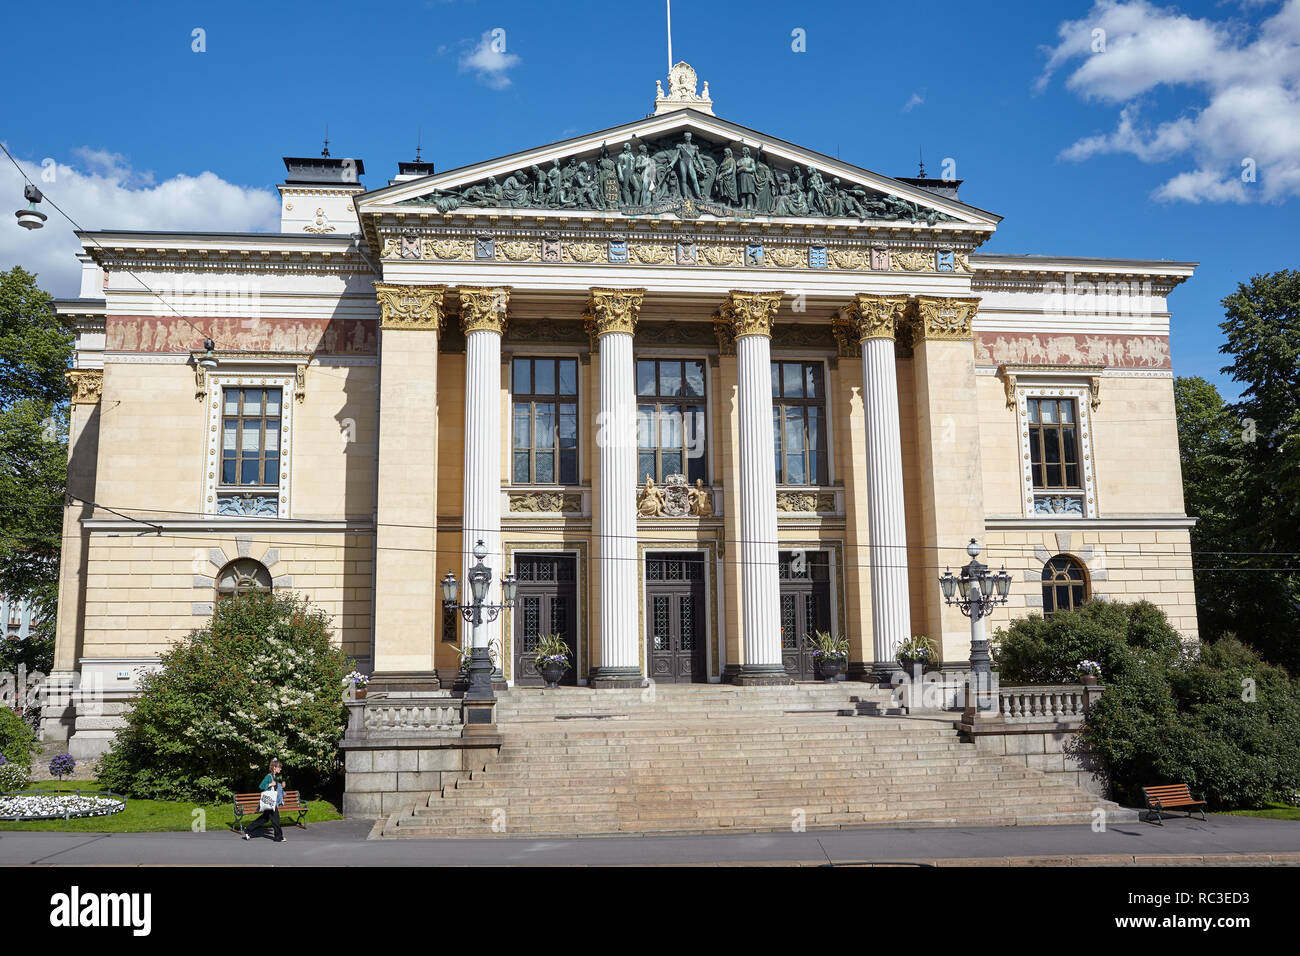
(242, 576)
(1065, 584)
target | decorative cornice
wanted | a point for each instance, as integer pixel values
(484, 309)
(87, 385)
(750, 313)
(613, 310)
(940, 318)
(410, 306)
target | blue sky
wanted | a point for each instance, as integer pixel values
(1130, 151)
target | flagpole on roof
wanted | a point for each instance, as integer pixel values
(670, 34)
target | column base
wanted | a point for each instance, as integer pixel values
(403, 682)
(862, 671)
(757, 675)
(604, 678)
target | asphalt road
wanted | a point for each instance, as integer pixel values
(344, 843)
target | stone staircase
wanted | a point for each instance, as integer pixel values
(716, 758)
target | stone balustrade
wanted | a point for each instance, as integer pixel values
(1045, 702)
(405, 717)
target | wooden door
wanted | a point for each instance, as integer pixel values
(546, 603)
(674, 615)
(805, 607)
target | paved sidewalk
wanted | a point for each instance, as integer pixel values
(1224, 839)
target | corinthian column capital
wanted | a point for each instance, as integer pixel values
(484, 309)
(613, 310)
(87, 385)
(944, 319)
(750, 313)
(410, 306)
(877, 316)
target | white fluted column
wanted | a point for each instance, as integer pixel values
(878, 318)
(612, 315)
(483, 319)
(750, 315)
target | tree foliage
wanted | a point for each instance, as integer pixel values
(1241, 474)
(35, 351)
(1222, 720)
(262, 680)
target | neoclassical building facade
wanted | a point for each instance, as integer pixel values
(704, 392)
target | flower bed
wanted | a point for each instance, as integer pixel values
(59, 805)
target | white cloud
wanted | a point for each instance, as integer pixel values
(489, 60)
(916, 100)
(1247, 73)
(102, 191)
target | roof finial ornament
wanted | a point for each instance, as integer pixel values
(325, 151)
(417, 143)
(682, 84)
(921, 174)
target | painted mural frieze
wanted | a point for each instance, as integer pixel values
(1045, 348)
(685, 177)
(141, 333)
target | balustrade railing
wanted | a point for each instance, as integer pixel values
(405, 717)
(1043, 702)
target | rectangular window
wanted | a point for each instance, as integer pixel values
(799, 423)
(1054, 443)
(670, 419)
(250, 437)
(545, 421)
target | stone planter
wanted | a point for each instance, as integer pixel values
(1087, 680)
(830, 668)
(551, 672)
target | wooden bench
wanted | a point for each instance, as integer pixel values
(246, 805)
(1174, 796)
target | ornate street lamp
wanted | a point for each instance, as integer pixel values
(477, 613)
(975, 593)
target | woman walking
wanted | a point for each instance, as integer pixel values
(272, 781)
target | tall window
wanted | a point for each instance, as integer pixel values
(1065, 584)
(799, 423)
(1054, 443)
(545, 425)
(250, 437)
(670, 419)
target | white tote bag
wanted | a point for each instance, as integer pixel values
(268, 799)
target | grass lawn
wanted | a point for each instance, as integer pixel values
(144, 816)
(1274, 811)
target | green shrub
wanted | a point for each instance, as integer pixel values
(262, 680)
(1223, 721)
(17, 740)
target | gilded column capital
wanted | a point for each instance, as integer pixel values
(613, 310)
(484, 308)
(87, 385)
(941, 318)
(410, 306)
(750, 313)
(877, 316)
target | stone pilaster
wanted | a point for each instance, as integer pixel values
(407, 608)
(749, 317)
(483, 317)
(951, 486)
(877, 318)
(611, 319)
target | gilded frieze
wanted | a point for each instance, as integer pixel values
(410, 306)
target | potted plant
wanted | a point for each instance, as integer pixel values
(830, 654)
(552, 658)
(356, 682)
(1089, 673)
(917, 650)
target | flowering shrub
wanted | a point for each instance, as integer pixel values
(13, 776)
(62, 765)
(17, 740)
(261, 680)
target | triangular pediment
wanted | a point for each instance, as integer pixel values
(684, 164)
